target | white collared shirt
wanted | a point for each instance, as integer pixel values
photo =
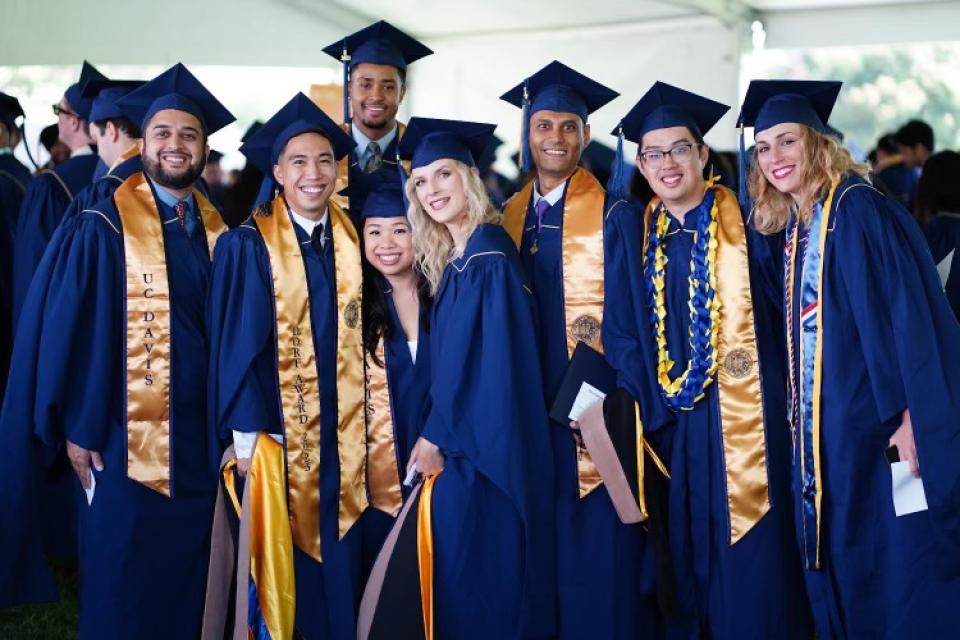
(309, 225)
(362, 140)
(552, 198)
(85, 150)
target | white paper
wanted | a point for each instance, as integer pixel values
(943, 268)
(908, 494)
(586, 397)
(411, 476)
(93, 486)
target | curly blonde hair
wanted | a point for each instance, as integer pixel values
(825, 160)
(433, 246)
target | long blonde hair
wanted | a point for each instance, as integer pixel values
(825, 160)
(433, 246)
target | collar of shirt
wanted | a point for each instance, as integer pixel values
(6, 151)
(552, 198)
(308, 225)
(85, 150)
(171, 200)
(362, 140)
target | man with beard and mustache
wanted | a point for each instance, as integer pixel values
(112, 364)
(52, 191)
(557, 223)
(287, 385)
(375, 63)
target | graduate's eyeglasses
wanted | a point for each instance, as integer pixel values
(57, 110)
(680, 154)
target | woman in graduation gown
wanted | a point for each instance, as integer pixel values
(697, 337)
(874, 355)
(485, 533)
(396, 307)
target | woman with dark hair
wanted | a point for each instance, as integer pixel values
(396, 307)
(874, 379)
(937, 209)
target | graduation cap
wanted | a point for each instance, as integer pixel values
(556, 87)
(106, 93)
(300, 115)
(252, 129)
(427, 140)
(178, 89)
(74, 94)
(489, 155)
(661, 107)
(381, 192)
(10, 110)
(379, 43)
(214, 156)
(772, 102)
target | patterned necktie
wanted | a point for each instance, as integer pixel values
(187, 222)
(374, 157)
(542, 206)
(316, 238)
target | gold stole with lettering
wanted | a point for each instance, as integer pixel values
(382, 465)
(299, 374)
(343, 168)
(148, 328)
(582, 248)
(738, 377)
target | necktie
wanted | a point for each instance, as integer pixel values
(316, 238)
(374, 157)
(542, 206)
(187, 223)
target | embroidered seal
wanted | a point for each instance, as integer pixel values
(351, 314)
(585, 329)
(738, 363)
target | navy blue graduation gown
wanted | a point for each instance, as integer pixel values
(102, 188)
(943, 236)
(890, 342)
(14, 180)
(409, 386)
(604, 591)
(493, 523)
(142, 555)
(43, 207)
(754, 588)
(244, 396)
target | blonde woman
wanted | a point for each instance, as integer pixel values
(484, 449)
(873, 350)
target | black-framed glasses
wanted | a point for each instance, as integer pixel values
(57, 110)
(680, 154)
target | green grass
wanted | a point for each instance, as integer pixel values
(56, 621)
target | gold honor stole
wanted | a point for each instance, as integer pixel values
(382, 466)
(741, 398)
(425, 552)
(299, 376)
(148, 328)
(132, 152)
(582, 249)
(343, 168)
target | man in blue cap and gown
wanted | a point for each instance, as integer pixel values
(874, 383)
(51, 192)
(557, 222)
(112, 363)
(375, 63)
(287, 383)
(14, 180)
(697, 330)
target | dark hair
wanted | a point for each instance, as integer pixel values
(915, 132)
(938, 189)
(376, 313)
(124, 124)
(49, 136)
(888, 144)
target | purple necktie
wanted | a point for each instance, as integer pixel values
(542, 206)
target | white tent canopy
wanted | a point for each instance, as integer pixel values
(483, 48)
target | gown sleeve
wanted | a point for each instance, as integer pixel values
(242, 325)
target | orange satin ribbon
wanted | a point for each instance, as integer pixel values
(582, 250)
(382, 467)
(425, 553)
(741, 396)
(299, 375)
(148, 328)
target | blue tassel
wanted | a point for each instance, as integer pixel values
(345, 61)
(742, 196)
(525, 136)
(615, 185)
(403, 182)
